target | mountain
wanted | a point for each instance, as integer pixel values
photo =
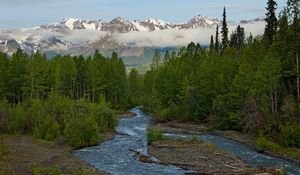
(79, 36)
(122, 25)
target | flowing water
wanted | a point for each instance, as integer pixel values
(114, 156)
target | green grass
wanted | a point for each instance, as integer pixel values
(262, 144)
(193, 138)
(4, 151)
(51, 170)
(154, 135)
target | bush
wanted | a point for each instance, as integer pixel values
(262, 145)
(4, 151)
(103, 115)
(170, 113)
(193, 138)
(82, 131)
(290, 135)
(232, 121)
(47, 129)
(17, 122)
(154, 135)
(4, 115)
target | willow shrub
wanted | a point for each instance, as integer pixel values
(82, 131)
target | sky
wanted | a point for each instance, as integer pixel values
(31, 13)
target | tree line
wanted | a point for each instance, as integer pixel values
(247, 84)
(69, 96)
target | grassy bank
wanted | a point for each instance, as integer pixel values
(27, 156)
(264, 145)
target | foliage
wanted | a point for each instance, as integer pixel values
(47, 129)
(193, 138)
(262, 144)
(290, 135)
(81, 132)
(17, 120)
(4, 150)
(154, 135)
(251, 86)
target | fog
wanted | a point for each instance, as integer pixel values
(162, 38)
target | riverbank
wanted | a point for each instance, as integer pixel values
(203, 158)
(28, 155)
(191, 129)
(290, 154)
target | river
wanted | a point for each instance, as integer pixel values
(114, 156)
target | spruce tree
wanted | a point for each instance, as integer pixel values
(167, 56)
(271, 22)
(225, 40)
(240, 31)
(156, 59)
(217, 43)
(211, 45)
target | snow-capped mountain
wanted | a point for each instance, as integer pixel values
(122, 25)
(78, 35)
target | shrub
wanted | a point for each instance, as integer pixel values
(82, 131)
(193, 138)
(47, 129)
(4, 151)
(262, 144)
(167, 114)
(290, 135)
(4, 113)
(17, 122)
(103, 115)
(154, 135)
(229, 122)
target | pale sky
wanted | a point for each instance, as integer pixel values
(30, 13)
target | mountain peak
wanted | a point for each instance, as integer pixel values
(203, 21)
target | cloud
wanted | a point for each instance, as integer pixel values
(74, 36)
(163, 38)
(173, 37)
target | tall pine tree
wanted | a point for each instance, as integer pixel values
(217, 43)
(211, 46)
(225, 40)
(271, 22)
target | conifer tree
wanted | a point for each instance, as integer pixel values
(225, 40)
(167, 56)
(211, 46)
(156, 59)
(271, 22)
(240, 37)
(217, 43)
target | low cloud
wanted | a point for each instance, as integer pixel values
(173, 37)
(163, 38)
